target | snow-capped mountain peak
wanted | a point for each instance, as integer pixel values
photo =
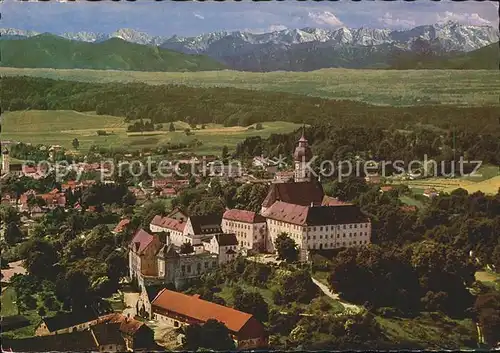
(452, 35)
(306, 48)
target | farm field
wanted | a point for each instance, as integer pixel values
(384, 87)
(487, 181)
(489, 186)
(62, 126)
(489, 278)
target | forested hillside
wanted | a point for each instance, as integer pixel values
(50, 51)
(229, 106)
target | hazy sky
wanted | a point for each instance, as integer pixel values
(167, 18)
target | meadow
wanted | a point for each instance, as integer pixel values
(62, 126)
(486, 181)
(381, 87)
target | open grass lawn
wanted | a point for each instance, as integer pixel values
(489, 186)
(411, 201)
(311, 308)
(9, 307)
(393, 87)
(62, 126)
(429, 330)
(8, 302)
(322, 276)
(487, 181)
(485, 172)
(227, 290)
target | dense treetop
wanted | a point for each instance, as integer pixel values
(229, 106)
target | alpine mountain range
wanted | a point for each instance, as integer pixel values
(307, 48)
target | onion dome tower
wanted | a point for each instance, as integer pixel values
(301, 156)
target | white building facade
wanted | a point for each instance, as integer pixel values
(249, 227)
(318, 227)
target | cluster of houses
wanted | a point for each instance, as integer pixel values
(85, 331)
(36, 204)
(178, 247)
(168, 187)
(40, 171)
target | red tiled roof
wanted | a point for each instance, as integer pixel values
(50, 198)
(303, 193)
(168, 191)
(386, 188)
(287, 212)
(142, 239)
(333, 201)
(315, 215)
(172, 223)
(156, 221)
(200, 310)
(243, 216)
(121, 225)
(408, 208)
(169, 223)
(163, 182)
(127, 325)
(29, 170)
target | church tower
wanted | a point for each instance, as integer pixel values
(5, 162)
(301, 156)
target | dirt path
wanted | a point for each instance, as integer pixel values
(166, 336)
(335, 296)
(14, 268)
(130, 300)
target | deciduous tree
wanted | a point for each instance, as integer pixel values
(286, 248)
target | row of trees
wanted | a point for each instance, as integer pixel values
(336, 143)
(468, 222)
(17, 186)
(141, 126)
(219, 195)
(229, 106)
(424, 276)
(77, 271)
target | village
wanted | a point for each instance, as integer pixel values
(169, 259)
(178, 248)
